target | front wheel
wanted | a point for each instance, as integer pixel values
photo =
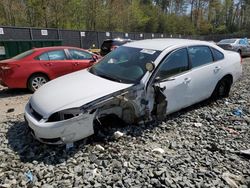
(36, 81)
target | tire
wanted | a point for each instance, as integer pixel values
(222, 88)
(239, 51)
(36, 81)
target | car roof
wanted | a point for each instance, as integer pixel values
(117, 39)
(55, 48)
(162, 44)
(231, 39)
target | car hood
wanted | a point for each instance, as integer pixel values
(71, 91)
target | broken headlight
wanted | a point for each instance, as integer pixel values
(65, 115)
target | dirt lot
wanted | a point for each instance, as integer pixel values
(199, 145)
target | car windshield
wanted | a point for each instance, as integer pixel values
(23, 55)
(227, 41)
(125, 64)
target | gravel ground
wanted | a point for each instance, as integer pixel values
(196, 147)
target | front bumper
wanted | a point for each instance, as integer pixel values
(60, 132)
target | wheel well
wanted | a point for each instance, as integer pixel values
(228, 77)
(35, 73)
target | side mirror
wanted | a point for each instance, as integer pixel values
(150, 66)
(94, 58)
(91, 62)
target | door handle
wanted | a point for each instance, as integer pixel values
(216, 69)
(48, 64)
(187, 80)
(170, 79)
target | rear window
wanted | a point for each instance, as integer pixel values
(23, 55)
(217, 55)
(108, 44)
(227, 41)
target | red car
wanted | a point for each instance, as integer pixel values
(35, 67)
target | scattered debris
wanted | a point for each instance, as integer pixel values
(125, 164)
(230, 179)
(197, 124)
(94, 172)
(69, 146)
(78, 169)
(10, 110)
(238, 112)
(245, 152)
(99, 147)
(158, 150)
(231, 131)
(118, 134)
(29, 176)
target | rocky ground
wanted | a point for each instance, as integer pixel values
(196, 147)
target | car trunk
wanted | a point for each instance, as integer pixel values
(225, 46)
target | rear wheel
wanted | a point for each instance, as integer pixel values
(239, 51)
(36, 81)
(222, 89)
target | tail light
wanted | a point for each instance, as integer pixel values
(8, 67)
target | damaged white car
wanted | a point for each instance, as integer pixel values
(137, 81)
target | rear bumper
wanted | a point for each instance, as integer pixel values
(2, 83)
(11, 82)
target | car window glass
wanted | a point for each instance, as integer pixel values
(43, 57)
(200, 55)
(242, 42)
(217, 55)
(23, 55)
(57, 55)
(175, 63)
(79, 55)
(125, 64)
(228, 41)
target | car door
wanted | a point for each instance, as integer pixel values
(248, 47)
(80, 59)
(173, 78)
(245, 48)
(205, 74)
(55, 62)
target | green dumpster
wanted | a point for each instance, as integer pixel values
(9, 49)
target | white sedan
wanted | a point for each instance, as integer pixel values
(136, 82)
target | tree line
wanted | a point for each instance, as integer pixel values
(185, 17)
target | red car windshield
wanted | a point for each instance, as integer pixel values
(23, 55)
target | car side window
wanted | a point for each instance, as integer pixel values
(79, 55)
(57, 55)
(217, 54)
(43, 57)
(200, 55)
(244, 42)
(175, 63)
